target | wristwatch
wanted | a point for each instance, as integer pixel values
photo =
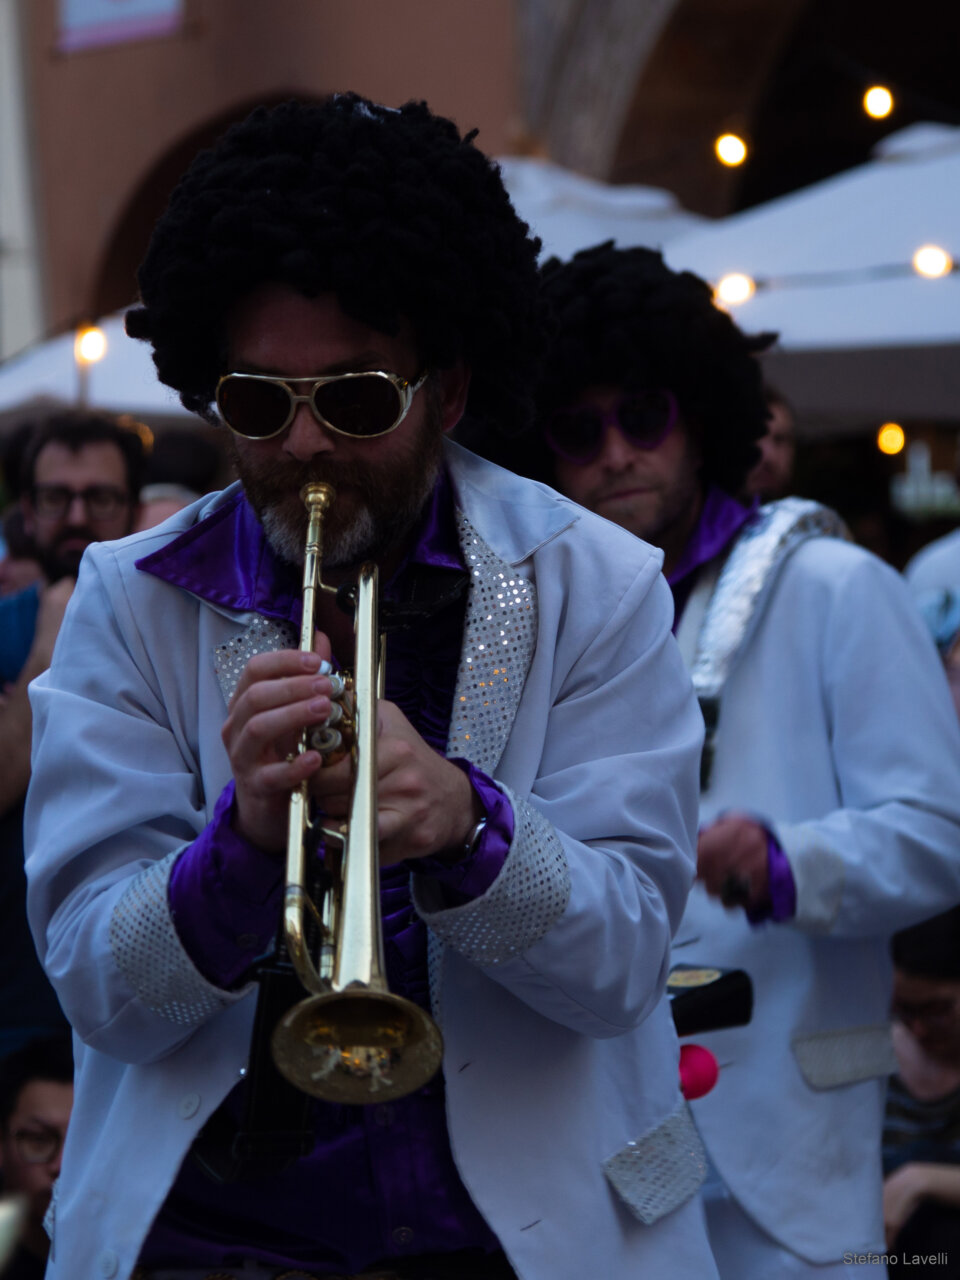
(469, 847)
(472, 842)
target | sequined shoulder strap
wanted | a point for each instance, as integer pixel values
(749, 572)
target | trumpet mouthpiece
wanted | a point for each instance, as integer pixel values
(317, 494)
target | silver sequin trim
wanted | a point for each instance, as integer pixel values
(149, 953)
(50, 1217)
(498, 642)
(778, 528)
(828, 1059)
(262, 636)
(435, 975)
(660, 1171)
(527, 898)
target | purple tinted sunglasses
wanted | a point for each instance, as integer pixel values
(644, 418)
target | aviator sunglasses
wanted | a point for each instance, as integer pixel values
(644, 418)
(258, 406)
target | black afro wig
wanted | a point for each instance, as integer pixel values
(390, 209)
(623, 318)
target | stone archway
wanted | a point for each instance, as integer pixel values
(116, 282)
(636, 90)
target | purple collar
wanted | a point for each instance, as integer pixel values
(720, 520)
(227, 560)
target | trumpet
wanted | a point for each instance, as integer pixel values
(351, 1040)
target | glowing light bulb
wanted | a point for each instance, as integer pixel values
(891, 438)
(878, 102)
(730, 149)
(90, 344)
(932, 261)
(735, 288)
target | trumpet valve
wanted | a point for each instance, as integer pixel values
(326, 739)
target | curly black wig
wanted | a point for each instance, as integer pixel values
(390, 209)
(623, 318)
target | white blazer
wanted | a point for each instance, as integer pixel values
(836, 725)
(561, 1061)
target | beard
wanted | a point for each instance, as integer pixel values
(375, 508)
(59, 561)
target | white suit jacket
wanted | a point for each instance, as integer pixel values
(836, 726)
(561, 1061)
(936, 565)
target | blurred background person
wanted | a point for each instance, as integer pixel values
(19, 566)
(921, 1137)
(158, 501)
(772, 477)
(80, 482)
(36, 1099)
(181, 466)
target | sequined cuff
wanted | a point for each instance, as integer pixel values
(150, 955)
(225, 898)
(524, 902)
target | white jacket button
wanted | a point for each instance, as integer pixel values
(109, 1263)
(189, 1105)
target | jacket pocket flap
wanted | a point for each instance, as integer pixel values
(661, 1170)
(828, 1059)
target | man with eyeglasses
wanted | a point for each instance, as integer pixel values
(79, 478)
(921, 1135)
(344, 282)
(36, 1097)
(831, 773)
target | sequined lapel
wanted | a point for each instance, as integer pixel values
(499, 636)
(263, 635)
(752, 566)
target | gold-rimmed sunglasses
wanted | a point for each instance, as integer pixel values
(259, 406)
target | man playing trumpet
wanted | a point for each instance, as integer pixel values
(345, 282)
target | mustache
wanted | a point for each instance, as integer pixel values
(280, 480)
(73, 533)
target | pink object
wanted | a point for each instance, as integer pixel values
(698, 1071)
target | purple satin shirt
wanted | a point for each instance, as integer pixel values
(381, 1182)
(721, 520)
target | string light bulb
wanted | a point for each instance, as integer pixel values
(891, 438)
(735, 288)
(731, 149)
(878, 102)
(90, 344)
(932, 261)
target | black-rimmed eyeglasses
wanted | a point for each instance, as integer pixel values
(52, 501)
(38, 1145)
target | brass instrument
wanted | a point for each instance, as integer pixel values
(350, 1040)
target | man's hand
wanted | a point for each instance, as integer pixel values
(279, 694)
(903, 1191)
(53, 604)
(732, 861)
(907, 1187)
(425, 804)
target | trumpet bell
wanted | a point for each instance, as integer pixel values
(357, 1046)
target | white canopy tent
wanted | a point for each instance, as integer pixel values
(567, 211)
(124, 381)
(858, 341)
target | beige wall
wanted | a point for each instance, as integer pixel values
(103, 121)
